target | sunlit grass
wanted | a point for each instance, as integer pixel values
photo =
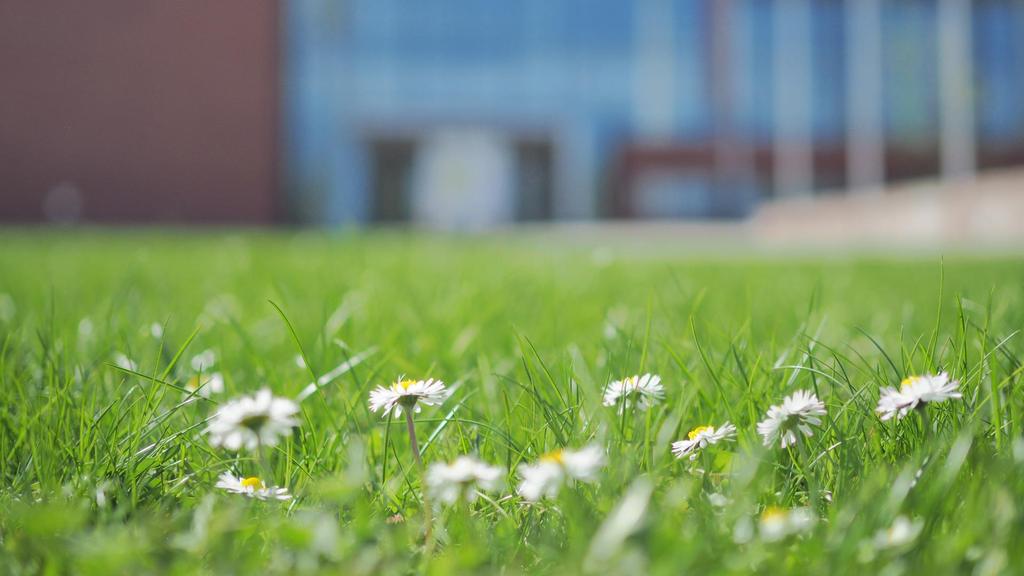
(107, 469)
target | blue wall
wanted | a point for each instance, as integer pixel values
(568, 67)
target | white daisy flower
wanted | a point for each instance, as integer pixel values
(541, 480)
(700, 438)
(209, 385)
(797, 414)
(718, 500)
(252, 487)
(85, 328)
(123, 361)
(778, 523)
(461, 479)
(251, 421)
(408, 394)
(204, 360)
(645, 391)
(545, 478)
(902, 532)
(156, 330)
(915, 391)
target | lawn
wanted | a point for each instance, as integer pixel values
(107, 464)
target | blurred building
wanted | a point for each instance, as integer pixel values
(463, 114)
(469, 113)
(139, 111)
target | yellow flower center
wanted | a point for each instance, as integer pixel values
(192, 384)
(693, 433)
(406, 383)
(772, 513)
(556, 456)
(253, 482)
(908, 382)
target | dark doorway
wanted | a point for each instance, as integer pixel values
(534, 161)
(391, 178)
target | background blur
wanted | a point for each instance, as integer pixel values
(806, 119)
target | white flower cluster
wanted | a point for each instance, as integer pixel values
(778, 523)
(545, 477)
(784, 423)
(249, 423)
(252, 487)
(408, 394)
(462, 479)
(642, 391)
(702, 437)
(914, 392)
(252, 422)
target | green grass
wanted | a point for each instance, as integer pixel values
(105, 472)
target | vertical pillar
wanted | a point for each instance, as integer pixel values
(794, 153)
(654, 98)
(956, 109)
(734, 169)
(576, 169)
(865, 136)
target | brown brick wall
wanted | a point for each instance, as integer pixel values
(138, 110)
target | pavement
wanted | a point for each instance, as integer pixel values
(985, 211)
(984, 214)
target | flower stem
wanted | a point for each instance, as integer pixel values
(647, 440)
(926, 423)
(266, 472)
(812, 484)
(412, 439)
(708, 463)
(428, 514)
